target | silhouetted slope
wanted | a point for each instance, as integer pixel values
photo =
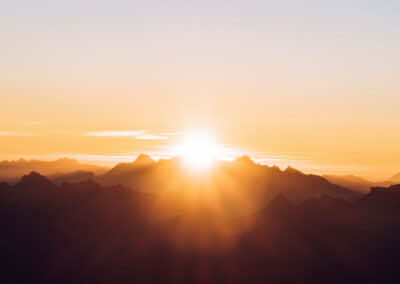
(128, 173)
(258, 182)
(12, 170)
(355, 183)
(382, 199)
(352, 182)
(33, 189)
(298, 186)
(395, 178)
(34, 180)
(72, 177)
(4, 187)
(323, 240)
(88, 233)
(66, 233)
(143, 160)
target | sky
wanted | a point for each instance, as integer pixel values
(308, 83)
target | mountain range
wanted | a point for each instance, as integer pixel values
(66, 169)
(11, 171)
(255, 182)
(274, 226)
(357, 183)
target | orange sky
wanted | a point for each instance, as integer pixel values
(314, 86)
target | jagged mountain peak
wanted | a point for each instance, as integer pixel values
(35, 179)
(291, 170)
(143, 160)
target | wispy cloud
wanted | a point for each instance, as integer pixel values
(151, 137)
(117, 133)
(137, 134)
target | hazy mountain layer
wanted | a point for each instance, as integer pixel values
(87, 233)
(12, 171)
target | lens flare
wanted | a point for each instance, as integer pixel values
(199, 150)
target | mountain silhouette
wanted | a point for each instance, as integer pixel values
(143, 160)
(355, 183)
(73, 177)
(34, 179)
(259, 182)
(351, 181)
(383, 199)
(241, 223)
(395, 178)
(11, 171)
(292, 171)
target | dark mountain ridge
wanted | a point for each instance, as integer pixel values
(213, 231)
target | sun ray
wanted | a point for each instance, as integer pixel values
(199, 150)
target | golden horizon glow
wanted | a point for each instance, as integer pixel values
(199, 150)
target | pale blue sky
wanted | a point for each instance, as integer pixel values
(167, 37)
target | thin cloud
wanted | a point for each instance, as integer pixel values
(137, 134)
(151, 137)
(118, 133)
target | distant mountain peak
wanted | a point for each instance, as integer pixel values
(291, 170)
(34, 178)
(143, 160)
(244, 159)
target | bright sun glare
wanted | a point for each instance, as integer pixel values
(199, 150)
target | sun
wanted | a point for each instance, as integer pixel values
(199, 150)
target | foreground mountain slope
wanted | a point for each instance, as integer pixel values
(87, 233)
